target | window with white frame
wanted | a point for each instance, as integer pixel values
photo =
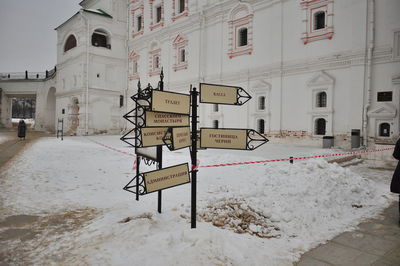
(137, 20)
(317, 20)
(396, 45)
(261, 103)
(215, 124)
(261, 126)
(156, 14)
(384, 130)
(215, 108)
(154, 60)
(180, 44)
(240, 31)
(179, 9)
(321, 99)
(133, 60)
(320, 126)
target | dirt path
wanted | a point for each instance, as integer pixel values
(22, 237)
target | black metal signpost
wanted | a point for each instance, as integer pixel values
(169, 126)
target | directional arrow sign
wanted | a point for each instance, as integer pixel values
(223, 94)
(177, 138)
(157, 119)
(170, 102)
(226, 138)
(160, 179)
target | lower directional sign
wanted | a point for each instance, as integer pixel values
(160, 179)
(226, 138)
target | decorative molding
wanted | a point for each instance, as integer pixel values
(153, 24)
(175, 12)
(386, 111)
(136, 12)
(180, 43)
(134, 72)
(240, 17)
(310, 8)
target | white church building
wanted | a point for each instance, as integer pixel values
(314, 68)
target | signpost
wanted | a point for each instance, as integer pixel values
(225, 138)
(156, 119)
(162, 118)
(161, 179)
(177, 138)
(170, 102)
(223, 94)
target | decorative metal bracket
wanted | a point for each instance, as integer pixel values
(242, 96)
(132, 188)
(137, 138)
(255, 140)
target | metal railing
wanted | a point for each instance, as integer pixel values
(28, 75)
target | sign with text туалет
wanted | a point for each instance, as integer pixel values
(152, 136)
(156, 119)
(166, 177)
(226, 138)
(178, 138)
(170, 102)
(223, 94)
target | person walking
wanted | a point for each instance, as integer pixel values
(21, 129)
(395, 184)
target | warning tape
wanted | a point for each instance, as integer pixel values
(296, 158)
(194, 167)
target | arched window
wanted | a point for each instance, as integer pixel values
(215, 124)
(384, 130)
(261, 103)
(321, 99)
(319, 20)
(70, 43)
(261, 126)
(320, 126)
(242, 40)
(100, 38)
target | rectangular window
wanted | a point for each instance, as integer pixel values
(121, 101)
(183, 56)
(158, 14)
(139, 22)
(135, 67)
(385, 96)
(215, 109)
(396, 45)
(181, 6)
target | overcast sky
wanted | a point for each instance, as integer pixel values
(27, 36)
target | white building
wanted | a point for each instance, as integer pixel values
(314, 67)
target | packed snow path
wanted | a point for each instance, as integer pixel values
(260, 214)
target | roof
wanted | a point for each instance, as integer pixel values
(98, 12)
(93, 11)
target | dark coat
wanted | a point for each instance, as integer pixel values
(395, 184)
(21, 129)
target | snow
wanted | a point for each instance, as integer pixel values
(294, 207)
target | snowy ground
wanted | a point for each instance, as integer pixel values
(262, 214)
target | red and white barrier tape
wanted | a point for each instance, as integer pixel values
(194, 167)
(296, 158)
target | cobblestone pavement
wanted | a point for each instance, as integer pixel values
(375, 242)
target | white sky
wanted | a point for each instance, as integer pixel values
(27, 37)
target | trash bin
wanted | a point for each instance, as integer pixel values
(355, 138)
(327, 142)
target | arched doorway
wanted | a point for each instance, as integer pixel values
(51, 109)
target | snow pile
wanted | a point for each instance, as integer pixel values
(259, 214)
